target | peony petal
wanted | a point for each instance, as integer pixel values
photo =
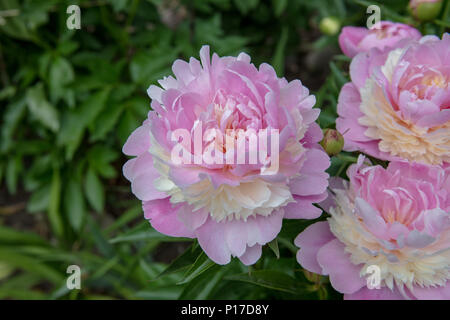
(251, 255)
(432, 293)
(344, 275)
(163, 217)
(236, 236)
(349, 39)
(309, 184)
(143, 186)
(383, 293)
(138, 142)
(310, 241)
(301, 209)
(211, 237)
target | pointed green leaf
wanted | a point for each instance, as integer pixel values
(41, 108)
(74, 203)
(94, 191)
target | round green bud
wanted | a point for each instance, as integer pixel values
(425, 10)
(332, 142)
(330, 26)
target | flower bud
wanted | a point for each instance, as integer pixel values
(425, 10)
(330, 26)
(332, 142)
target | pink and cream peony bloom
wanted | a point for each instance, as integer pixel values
(397, 219)
(398, 102)
(232, 209)
(354, 40)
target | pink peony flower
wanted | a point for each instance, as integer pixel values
(232, 209)
(396, 219)
(354, 40)
(398, 103)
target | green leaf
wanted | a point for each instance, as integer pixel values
(101, 243)
(204, 285)
(76, 121)
(60, 75)
(210, 31)
(161, 293)
(445, 18)
(12, 116)
(21, 294)
(445, 24)
(14, 237)
(271, 279)
(94, 191)
(129, 215)
(14, 26)
(338, 74)
(2, 171)
(93, 106)
(20, 287)
(128, 123)
(187, 259)
(67, 47)
(40, 199)
(12, 172)
(74, 203)
(201, 264)
(41, 108)
(107, 122)
(7, 92)
(54, 214)
(278, 58)
(100, 155)
(100, 158)
(279, 6)
(245, 6)
(148, 235)
(119, 5)
(273, 245)
(31, 265)
(99, 273)
(151, 65)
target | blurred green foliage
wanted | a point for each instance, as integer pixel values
(70, 98)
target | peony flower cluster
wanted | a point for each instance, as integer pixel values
(398, 102)
(397, 219)
(232, 209)
(390, 226)
(388, 233)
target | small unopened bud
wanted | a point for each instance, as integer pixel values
(332, 142)
(330, 26)
(172, 13)
(425, 10)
